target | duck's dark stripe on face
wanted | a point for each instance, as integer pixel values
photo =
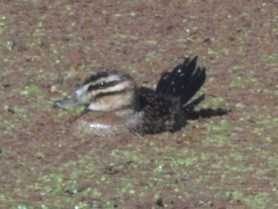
(103, 85)
(110, 93)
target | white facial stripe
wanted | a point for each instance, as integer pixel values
(108, 79)
(112, 102)
(115, 88)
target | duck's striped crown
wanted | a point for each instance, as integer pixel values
(107, 91)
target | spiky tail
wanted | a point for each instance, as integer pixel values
(182, 82)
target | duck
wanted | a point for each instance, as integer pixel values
(113, 103)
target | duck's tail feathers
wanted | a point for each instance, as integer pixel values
(173, 83)
(182, 82)
(196, 81)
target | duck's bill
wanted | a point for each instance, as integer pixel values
(67, 102)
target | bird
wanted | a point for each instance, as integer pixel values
(114, 103)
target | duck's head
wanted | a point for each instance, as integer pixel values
(104, 91)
